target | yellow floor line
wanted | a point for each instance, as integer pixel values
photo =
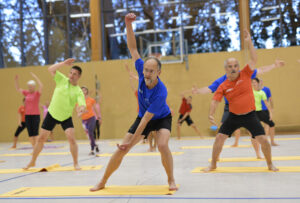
(242, 159)
(248, 169)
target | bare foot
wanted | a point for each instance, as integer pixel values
(13, 147)
(259, 157)
(274, 144)
(172, 186)
(178, 138)
(30, 165)
(208, 169)
(77, 167)
(272, 168)
(234, 145)
(97, 187)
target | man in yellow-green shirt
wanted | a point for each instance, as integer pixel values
(66, 95)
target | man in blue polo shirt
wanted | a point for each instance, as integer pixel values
(154, 113)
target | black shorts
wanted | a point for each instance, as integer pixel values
(153, 125)
(248, 121)
(32, 124)
(264, 116)
(188, 120)
(50, 122)
(226, 113)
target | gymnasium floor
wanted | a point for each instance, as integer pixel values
(147, 170)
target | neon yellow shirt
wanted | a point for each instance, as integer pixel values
(64, 98)
(259, 96)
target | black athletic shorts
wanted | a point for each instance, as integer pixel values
(32, 124)
(264, 116)
(50, 122)
(226, 113)
(188, 120)
(248, 121)
(153, 125)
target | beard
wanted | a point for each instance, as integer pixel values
(148, 81)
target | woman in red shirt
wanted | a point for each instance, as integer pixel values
(32, 111)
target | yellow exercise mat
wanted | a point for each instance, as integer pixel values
(140, 154)
(84, 191)
(241, 159)
(52, 168)
(248, 169)
(210, 147)
(41, 154)
(280, 139)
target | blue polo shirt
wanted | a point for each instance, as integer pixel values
(268, 93)
(151, 100)
(214, 86)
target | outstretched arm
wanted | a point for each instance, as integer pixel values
(141, 127)
(131, 41)
(38, 81)
(52, 69)
(212, 110)
(264, 69)
(203, 90)
(17, 84)
(252, 50)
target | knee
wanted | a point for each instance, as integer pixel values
(262, 139)
(42, 138)
(162, 147)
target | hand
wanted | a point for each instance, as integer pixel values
(20, 124)
(80, 110)
(124, 146)
(271, 116)
(69, 62)
(127, 68)
(299, 61)
(279, 63)
(247, 36)
(130, 17)
(212, 120)
(100, 121)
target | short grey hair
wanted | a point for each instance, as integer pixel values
(156, 59)
(226, 62)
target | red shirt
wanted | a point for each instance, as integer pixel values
(21, 111)
(32, 100)
(185, 107)
(239, 93)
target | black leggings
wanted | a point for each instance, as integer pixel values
(97, 130)
(20, 129)
(264, 117)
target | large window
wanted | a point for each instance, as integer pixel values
(39, 32)
(275, 23)
(208, 25)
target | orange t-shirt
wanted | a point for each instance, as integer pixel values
(239, 93)
(89, 107)
(21, 111)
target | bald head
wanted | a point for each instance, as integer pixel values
(231, 61)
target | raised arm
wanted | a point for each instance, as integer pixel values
(52, 69)
(131, 41)
(38, 81)
(252, 50)
(212, 110)
(17, 84)
(264, 69)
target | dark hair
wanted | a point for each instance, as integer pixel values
(256, 79)
(85, 88)
(78, 69)
(191, 97)
(24, 99)
(156, 59)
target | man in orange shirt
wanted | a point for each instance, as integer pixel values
(185, 110)
(238, 90)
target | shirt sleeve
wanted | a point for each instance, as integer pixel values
(268, 92)
(25, 92)
(254, 74)
(247, 71)
(59, 77)
(157, 105)
(218, 94)
(139, 66)
(214, 86)
(81, 99)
